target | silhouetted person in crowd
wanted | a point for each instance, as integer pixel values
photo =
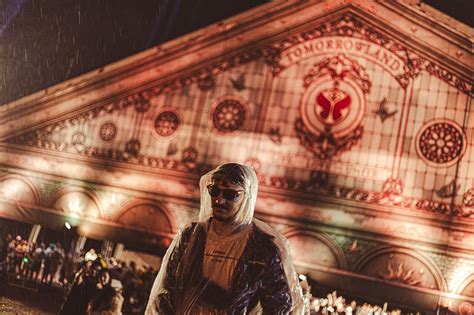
(37, 261)
(5, 253)
(56, 260)
(47, 277)
(92, 291)
(129, 281)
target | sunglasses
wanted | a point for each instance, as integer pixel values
(228, 194)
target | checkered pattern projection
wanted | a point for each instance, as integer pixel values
(335, 111)
(437, 161)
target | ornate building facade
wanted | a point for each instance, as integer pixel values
(356, 115)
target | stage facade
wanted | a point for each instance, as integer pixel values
(356, 115)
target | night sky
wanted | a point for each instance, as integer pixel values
(44, 42)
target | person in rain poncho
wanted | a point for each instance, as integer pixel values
(227, 262)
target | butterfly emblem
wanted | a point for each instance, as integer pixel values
(449, 190)
(383, 111)
(275, 135)
(239, 83)
(172, 149)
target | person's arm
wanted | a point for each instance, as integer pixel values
(162, 299)
(274, 295)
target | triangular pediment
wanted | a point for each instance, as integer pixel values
(253, 32)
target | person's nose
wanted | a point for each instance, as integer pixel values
(220, 199)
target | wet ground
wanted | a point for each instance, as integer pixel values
(9, 306)
(19, 296)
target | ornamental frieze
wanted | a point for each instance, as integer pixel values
(401, 61)
(390, 197)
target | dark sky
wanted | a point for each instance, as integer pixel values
(44, 42)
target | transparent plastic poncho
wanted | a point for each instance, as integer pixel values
(179, 285)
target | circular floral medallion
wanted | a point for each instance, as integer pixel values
(142, 105)
(133, 146)
(229, 114)
(108, 131)
(166, 123)
(468, 198)
(78, 138)
(441, 143)
(206, 83)
(190, 154)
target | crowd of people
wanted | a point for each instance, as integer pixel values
(108, 286)
(92, 283)
(35, 262)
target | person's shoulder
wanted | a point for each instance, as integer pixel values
(264, 238)
(192, 227)
(264, 231)
(262, 234)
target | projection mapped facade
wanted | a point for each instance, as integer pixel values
(357, 118)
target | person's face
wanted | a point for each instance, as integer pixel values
(226, 199)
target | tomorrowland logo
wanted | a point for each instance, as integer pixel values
(333, 106)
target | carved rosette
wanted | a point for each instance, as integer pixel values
(166, 123)
(133, 146)
(206, 82)
(229, 114)
(77, 140)
(108, 132)
(392, 187)
(440, 143)
(468, 198)
(333, 106)
(189, 157)
(142, 106)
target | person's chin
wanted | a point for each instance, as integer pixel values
(221, 218)
(220, 214)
